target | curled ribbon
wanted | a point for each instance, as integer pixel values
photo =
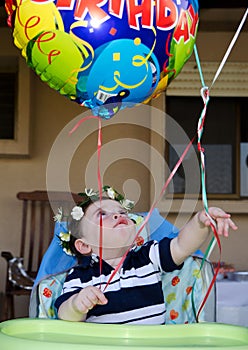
(205, 92)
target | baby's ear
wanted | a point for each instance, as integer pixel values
(82, 247)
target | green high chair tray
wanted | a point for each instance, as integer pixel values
(40, 334)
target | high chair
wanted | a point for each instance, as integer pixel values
(36, 232)
(184, 290)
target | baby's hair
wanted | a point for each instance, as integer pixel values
(75, 229)
(80, 209)
(74, 225)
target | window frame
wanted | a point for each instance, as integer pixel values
(236, 157)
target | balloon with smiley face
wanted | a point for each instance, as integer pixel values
(128, 78)
(102, 53)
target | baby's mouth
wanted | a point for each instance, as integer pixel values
(121, 221)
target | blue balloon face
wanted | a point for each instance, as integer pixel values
(122, 70)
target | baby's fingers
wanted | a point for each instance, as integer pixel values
(100, 297)
(223, 226)
(233, 225)
(89, 297)
(216, 213)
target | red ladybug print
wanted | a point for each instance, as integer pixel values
(47, 292)
(175, 281)
(173, 314)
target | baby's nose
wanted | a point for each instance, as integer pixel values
(116, 216)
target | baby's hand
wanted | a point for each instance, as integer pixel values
(223, 220)
(87, 298)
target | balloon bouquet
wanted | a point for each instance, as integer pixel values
(102, 53)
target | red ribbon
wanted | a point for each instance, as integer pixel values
(151, 209)
(215, 274)
(99, 180)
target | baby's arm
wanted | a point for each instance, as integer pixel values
(78, 305)
(196, 231)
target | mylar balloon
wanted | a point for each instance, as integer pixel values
(102, 52)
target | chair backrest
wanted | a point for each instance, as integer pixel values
(39, 208)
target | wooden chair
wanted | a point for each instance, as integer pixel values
(36, 232)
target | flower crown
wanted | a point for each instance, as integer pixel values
(77, 212)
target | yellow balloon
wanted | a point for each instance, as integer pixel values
(47, 55)
(31, 19)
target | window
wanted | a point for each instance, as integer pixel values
(8, 90)
(232, 85)
(14, 106)
(226, 126)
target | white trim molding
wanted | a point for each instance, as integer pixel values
(232, 81)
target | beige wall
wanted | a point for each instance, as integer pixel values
(213, 45)
(50, 113)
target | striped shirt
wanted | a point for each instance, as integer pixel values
(134, 294)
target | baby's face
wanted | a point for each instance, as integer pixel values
(118, 230)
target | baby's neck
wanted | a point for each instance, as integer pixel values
(114, 262)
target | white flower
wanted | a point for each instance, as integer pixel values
(64, 236)
(65, 242)
(59, 215)
(111, 193)
(127, 204)
(77, 213)
(90, 192)
(67, 251)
